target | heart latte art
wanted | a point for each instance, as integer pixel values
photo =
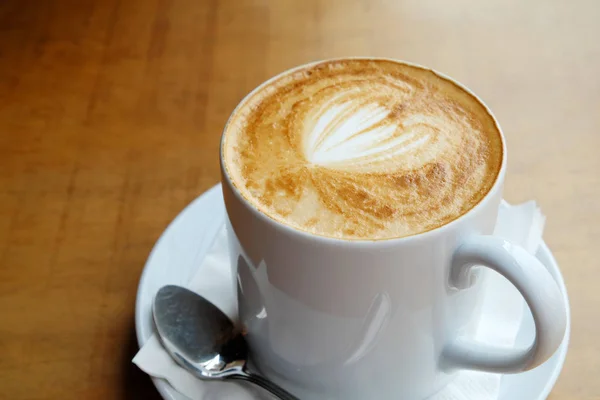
(362, 149)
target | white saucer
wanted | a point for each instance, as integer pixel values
(181, 249)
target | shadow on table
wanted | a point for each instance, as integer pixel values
(136, 384)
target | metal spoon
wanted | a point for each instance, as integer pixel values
(203, 340)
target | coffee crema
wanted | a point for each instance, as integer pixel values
(362, 149)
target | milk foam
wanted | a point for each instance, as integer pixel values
(348, 136)
(343, 135)
(362, 149)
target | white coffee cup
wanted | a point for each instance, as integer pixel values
(380, 319)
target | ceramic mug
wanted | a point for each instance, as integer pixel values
(380, 319)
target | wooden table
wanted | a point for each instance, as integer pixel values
(110, 117)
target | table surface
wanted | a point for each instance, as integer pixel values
(110, 118)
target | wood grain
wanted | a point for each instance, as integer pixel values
(110, 118)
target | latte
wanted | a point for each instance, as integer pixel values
(362, 149)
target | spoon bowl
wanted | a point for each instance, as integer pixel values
(203, 340)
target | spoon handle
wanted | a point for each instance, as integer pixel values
(275, 389)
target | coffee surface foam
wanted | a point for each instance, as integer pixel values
(362, 149)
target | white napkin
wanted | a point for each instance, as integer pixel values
(522, 224)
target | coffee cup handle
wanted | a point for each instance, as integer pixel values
(537, 287)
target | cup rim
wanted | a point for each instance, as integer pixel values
(313, 237)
